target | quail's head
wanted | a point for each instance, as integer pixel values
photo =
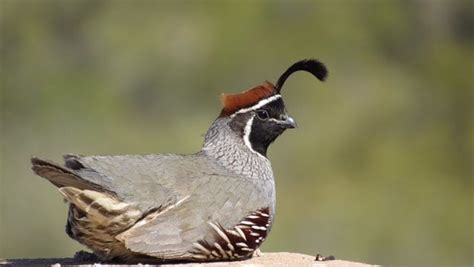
(259, 115)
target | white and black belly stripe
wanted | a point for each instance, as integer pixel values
(236, 243)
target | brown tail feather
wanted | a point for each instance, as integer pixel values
(102, 208)
(61, 176)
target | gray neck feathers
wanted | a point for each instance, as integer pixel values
(227, 147)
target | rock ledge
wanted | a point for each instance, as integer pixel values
(267, 259)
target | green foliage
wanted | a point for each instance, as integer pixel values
(380, 169)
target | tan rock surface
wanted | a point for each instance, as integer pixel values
(267, 259)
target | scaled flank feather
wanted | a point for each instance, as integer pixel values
(248, 98)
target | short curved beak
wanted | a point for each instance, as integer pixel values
(288, 122)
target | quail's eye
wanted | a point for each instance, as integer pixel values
(262, 114)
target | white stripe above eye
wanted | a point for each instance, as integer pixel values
(260, 104)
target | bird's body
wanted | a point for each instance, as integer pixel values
(217, 204)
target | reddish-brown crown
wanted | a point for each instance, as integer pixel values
(248, 98)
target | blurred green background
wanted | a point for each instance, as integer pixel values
(380, 169)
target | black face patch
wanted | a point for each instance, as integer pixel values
(263, 134)
(266, 125)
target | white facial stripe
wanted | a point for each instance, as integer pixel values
(260, 104)
(289, 119)
(275, 120)
(247, 130)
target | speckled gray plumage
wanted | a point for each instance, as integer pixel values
(222, 183)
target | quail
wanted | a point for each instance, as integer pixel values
(216, 204)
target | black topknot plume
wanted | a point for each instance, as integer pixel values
(312, 66)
